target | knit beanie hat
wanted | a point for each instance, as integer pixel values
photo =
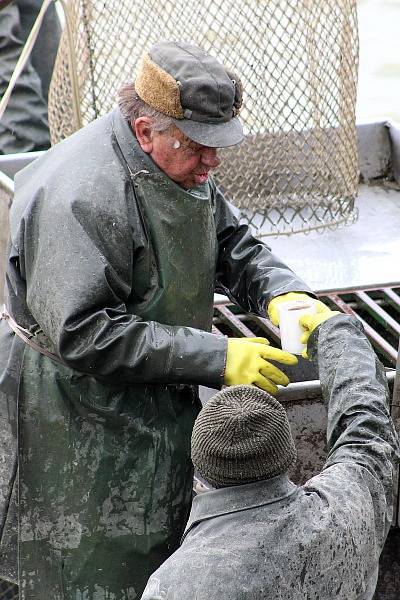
(242, 435)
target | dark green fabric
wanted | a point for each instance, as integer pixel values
(82, 256)
(106, 482)
(112, 495)
(105, 472)
(184, 241)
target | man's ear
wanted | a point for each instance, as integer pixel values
(143, 131)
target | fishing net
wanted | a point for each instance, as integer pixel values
(5, 203)
(8, 591)
(297, 169)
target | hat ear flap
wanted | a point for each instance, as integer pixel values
(238, 101)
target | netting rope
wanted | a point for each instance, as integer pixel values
(297, 169)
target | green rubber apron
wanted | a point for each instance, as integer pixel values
(105, 471)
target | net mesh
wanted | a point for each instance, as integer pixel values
(5, 203)
(8, 591)
(297, 169)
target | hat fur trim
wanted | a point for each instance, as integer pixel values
(158, 88)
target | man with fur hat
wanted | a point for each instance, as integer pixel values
(119, 238)
(258, 536)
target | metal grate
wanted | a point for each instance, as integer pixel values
(378, 309)
(297, 168)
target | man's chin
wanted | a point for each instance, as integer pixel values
(193, 182)
(200, 179)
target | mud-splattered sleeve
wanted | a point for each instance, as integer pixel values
(362, 442)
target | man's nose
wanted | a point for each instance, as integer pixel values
(210, 158)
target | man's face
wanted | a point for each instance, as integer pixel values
(184, 161)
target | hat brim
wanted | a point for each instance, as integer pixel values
(213, 135)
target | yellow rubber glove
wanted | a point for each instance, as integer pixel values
(310, 322)
(247, 363)
(273, 305)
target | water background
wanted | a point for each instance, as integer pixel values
(379, 74)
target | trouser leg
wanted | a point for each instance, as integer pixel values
(45, 50)
(24, 125)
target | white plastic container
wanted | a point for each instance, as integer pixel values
(291, 331)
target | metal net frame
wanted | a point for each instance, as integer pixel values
(6, 198)
(297, 169)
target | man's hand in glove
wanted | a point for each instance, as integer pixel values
(310, 322)
(273, 312)
(247, 363)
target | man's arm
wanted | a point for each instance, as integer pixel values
(247, 271)
(77, 256)
(360, 432)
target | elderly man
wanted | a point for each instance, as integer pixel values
(260, 537)
(119, 238)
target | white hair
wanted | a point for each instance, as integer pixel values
(132, 107)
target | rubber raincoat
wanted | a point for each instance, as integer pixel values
(112, 267)
(273, 540)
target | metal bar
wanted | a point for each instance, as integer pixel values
(6, 184)
(352, 289)
(377, 340)
(222, 302)
(388, 291)
(225, 315)
(215, 330)
(10, 164)
(233, 321)
(392, 296)
(382, 316)
(352, 304)
(395, 285)
(219, 320)
(267, 326)
(307, 390)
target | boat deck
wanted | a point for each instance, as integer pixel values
(363, 255)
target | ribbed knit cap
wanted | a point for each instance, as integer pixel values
(242, 435)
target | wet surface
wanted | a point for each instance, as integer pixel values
(364, 254)
(379, 72)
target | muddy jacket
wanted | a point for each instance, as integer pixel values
(273, 540)
(112, 267)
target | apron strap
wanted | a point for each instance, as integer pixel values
(26, 336)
